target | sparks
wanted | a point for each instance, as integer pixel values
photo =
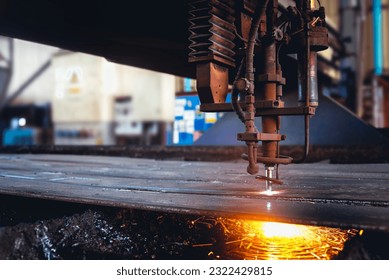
(272, 240)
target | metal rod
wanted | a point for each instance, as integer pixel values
(307, 98)
(308, 53)
(361, 54)
(270, 124)
(307, 95)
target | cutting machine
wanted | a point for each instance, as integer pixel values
(240, 42)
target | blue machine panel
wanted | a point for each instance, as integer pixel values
(190, 123)
(20, 136)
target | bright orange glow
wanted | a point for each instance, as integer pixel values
(271, 230)
(278, 241)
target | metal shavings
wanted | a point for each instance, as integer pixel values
(202, 245)
(234, 241)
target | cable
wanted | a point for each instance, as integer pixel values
(306, 142)
(250, 109)
(235, 93)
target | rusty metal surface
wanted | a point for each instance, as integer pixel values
(321, 194)
(379, 153)
(212, 82)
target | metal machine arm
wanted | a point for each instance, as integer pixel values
(254, 32)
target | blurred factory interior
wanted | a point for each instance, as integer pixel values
(86, 86)
(52, 96)
(56, 97)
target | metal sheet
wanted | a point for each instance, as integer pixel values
(319, 194)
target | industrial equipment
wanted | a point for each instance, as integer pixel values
(26, 125)
(245, 39)
(252, 58)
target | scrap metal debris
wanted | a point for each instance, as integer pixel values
(71, 231)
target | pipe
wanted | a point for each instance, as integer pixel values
(378, 37)
(309, 84)
(361, 54)
(271, 124)
(259, 12)
(307, 103)
(250, 109)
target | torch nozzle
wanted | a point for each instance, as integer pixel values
(269, 170)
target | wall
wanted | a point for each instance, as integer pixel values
(28, 57)
(86, 86)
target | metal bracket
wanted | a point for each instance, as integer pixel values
(260, 137)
